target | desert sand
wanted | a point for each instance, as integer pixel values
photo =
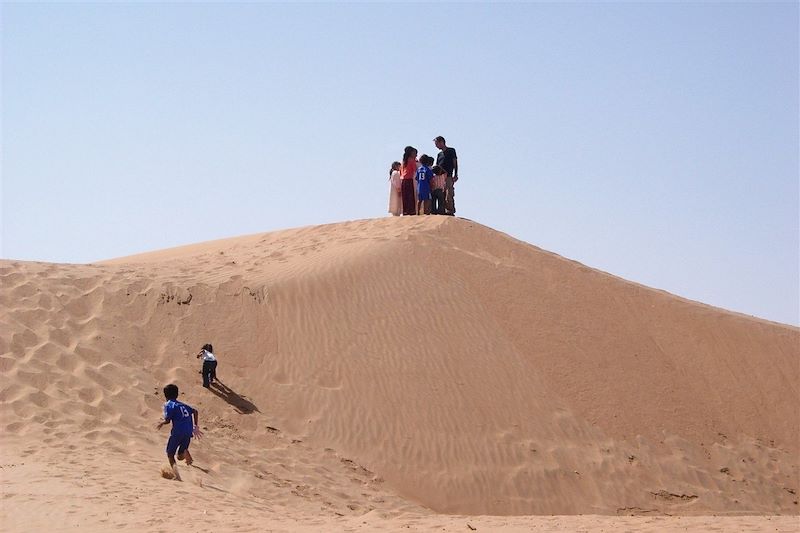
(424, 373)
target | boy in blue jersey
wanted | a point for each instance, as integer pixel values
(184, 425)
(423, 177)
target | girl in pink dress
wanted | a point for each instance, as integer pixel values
(407, 172)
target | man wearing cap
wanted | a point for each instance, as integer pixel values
(449, 162)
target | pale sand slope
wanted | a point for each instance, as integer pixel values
(381, 372)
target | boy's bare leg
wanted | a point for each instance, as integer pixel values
(186, 455)
(174, 466)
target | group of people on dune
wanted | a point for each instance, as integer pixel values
(418, 187)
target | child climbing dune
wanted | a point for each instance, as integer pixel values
(184, 426)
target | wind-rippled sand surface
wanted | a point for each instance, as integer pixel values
(418, 372)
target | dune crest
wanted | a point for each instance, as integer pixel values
(396, 366)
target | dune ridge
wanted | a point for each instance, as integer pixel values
(389, 370)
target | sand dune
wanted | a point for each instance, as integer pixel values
(421, 371)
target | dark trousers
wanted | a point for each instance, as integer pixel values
(450, 196)
(409, 197)
(437, 195)
(209, 372)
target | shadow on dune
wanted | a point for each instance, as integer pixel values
(240, 403)
(204, 470)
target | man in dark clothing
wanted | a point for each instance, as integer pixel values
(448, 160)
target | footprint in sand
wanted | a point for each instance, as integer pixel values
(281, 378)
(167, 472)
(329, 381)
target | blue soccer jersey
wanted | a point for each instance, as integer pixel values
(424, 176)
(181, 416)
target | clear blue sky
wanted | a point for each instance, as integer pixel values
(655, 141)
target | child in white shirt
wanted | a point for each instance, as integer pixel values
(209, 365)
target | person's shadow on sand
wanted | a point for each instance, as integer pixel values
(240, 403)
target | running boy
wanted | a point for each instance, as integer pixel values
(183, 429)
(424, 176)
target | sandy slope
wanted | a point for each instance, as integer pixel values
(380, 372)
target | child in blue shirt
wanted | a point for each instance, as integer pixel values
(423, 177)
(183, 426)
